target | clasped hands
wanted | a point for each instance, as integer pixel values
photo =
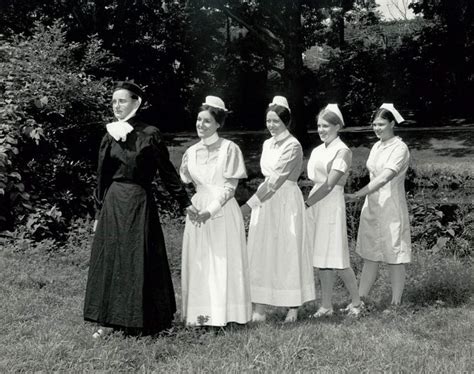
(196, 216)
(351, 197)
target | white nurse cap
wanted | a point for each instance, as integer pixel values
(335, 109)
(391, 109)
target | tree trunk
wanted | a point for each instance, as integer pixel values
(293, 70)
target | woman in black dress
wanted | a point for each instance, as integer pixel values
(129, 285)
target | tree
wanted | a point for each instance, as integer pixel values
(399, 9)
(279, 25)
(457, 18)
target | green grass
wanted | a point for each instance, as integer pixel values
(41, 324)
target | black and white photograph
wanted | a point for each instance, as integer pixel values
(236, 186)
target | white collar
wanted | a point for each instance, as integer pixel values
(281, 136)
(211, 139)
(389, 142)
(334, 142)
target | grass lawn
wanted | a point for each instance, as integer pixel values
(42, 328)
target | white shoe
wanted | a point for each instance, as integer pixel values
(323, 312)
(100, 333)
(352, 310)
(291, 316)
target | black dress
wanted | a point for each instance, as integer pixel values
(129, 283)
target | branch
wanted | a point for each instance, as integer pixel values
(403, 12)
(254, 29)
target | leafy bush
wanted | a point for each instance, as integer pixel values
(442, 227)
(49, 122)
(45, 222)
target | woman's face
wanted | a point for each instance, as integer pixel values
(206, 124)
(383, 128)
(274, 124)
(122, 103)
(327, 131)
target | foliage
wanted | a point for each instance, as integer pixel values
(49, 124)
(45, 222)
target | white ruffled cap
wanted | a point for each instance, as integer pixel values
(215, 102)
(391, 109)
(335, 109)
(281, 101)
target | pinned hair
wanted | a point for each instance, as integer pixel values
(134, 89)
(330, 117)
(219, 114)
(384, 114)
(282, 113)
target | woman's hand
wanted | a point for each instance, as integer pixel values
(351, 197)
(203, 216)
(94, 226)
(245, 209)
(192, 213)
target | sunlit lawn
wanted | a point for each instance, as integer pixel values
(42, 329)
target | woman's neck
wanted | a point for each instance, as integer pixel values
(328, 142)
(387, 138)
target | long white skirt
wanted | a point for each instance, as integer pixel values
(214, 279)
(327, 231)
(280, 265)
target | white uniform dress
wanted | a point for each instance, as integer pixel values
(384, 230)
(326, 220)
(214, 279)
(280, 264)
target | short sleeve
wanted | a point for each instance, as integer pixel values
(343, 160)
(398, 159)
(234, 166)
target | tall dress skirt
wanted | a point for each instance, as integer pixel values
(327, 232)
(280, 263)
(129, 283)
(214, 276)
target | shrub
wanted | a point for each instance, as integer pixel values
(44, 222)
(442, 226)
(51, 108)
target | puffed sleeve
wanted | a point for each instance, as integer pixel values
(398, 159)
(235, 165)
(183, 169)
(168, 173)
(343, 160)
(104, 173)
(290, 159)
(234, 170)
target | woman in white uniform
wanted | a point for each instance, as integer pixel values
(326, 213)
(384, 229)
(215, 284)
(280, 267)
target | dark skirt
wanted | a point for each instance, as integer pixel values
(129, 283)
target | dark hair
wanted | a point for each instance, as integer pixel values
(331, 117)
(218, 114)
(384, 114)
(134, 89)
(282, 113)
